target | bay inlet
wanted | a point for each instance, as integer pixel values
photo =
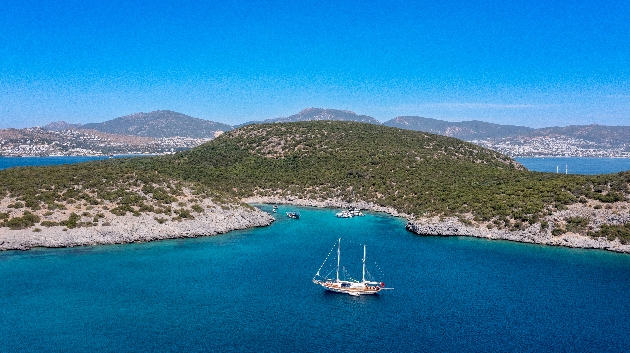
(250, 290)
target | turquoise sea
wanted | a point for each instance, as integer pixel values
(251, 290)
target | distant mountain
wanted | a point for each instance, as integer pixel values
(465, 130)
(521, 141)
(600, 134)
(61, 125)
(160, 123)
(312, 114)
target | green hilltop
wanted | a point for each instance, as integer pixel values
(159, 123)
(413, 172)
(416, 173)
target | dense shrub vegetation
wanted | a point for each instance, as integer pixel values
(612, 232)
(414, 172)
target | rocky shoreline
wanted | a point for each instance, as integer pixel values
(328, 203)
(535, 234)
(131, 229)
(144, 228)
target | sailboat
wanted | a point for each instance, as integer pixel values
(354, 288)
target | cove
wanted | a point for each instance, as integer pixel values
(251, 290)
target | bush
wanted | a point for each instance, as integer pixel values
(26, 221)
(557, 231)
(160, 220)
(612, 232)
(576, 224)
(184, 213)
(72, 221)
(49, 223)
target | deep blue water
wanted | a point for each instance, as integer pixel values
(8, 162)
(575, 165)
(252, 291)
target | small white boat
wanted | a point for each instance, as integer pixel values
(294, 215)
(355, 211)
(344, 214)
(275, 209)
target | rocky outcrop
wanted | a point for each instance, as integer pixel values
(536, 234)
(130, 229)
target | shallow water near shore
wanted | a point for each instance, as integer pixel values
(251, 291)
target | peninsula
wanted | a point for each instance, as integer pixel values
(442, 185)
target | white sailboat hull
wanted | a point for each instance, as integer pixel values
(355, 289)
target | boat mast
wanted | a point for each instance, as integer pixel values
(363, 276)
(338, 257)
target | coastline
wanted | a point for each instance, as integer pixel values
(131, 229)
(532, 235)
(452, 226)
(144, 228)
(328, 203)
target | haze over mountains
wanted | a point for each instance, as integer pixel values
(465, 130)
(478, 130)
(521, 141)
(60, 126)
(160, 123)
(315, 114)
(575, 140)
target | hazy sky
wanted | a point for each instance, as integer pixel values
(534, 63)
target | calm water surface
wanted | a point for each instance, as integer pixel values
(9, 162)
(576, 165)
(252, 291)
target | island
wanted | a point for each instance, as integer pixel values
(441, 185)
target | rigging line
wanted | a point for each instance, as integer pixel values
(320, 267)
(328, 274)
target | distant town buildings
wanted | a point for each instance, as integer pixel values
(553, 146)
(41, 142)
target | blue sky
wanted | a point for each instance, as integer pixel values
(534, 63)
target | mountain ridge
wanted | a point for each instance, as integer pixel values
(520, 141)
(465, 130)
(61, 125)
(317, 114)
(159, 124)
